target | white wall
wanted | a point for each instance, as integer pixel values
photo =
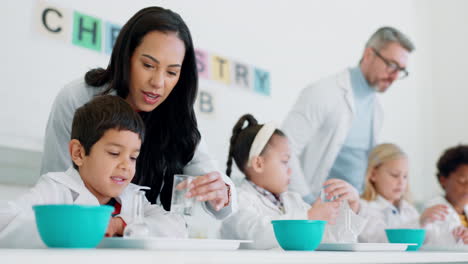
(296, 41)
(442, 66)
(450, 70)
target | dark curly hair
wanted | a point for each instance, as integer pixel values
(452, 159)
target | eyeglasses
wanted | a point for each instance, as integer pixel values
(392, 67)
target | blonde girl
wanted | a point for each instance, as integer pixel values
(385, 200)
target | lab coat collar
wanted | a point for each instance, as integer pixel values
(72, 180)
(248, 187)
(384, 203)
(344, 81)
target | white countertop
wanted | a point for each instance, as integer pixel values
(115, 256)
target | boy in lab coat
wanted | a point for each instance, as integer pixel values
(451, 225)
(105, 142)
(262, 153)
(385, 198)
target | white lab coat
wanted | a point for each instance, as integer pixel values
(440, 232)
(382, 215)
(317, 127)
(253, 220)
(56, 157)
(17, 220)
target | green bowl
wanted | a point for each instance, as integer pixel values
(299, 234)
(414, 236)
(72, 226)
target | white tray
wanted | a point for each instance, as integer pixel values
(453, 248)
(363, 247)
(171, 243)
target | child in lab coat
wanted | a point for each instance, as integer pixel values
(105, 142)
(262, 153)
(451, 226)
(386, 193)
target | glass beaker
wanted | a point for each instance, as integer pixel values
(179, 203)
(137, 228)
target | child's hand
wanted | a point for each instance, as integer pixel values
(343, 191)
(210, 187)
(461, 233)
(327, 211)
(433, 213)
(115, 227)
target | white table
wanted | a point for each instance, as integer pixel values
(113, 256)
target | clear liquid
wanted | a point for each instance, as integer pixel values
(179, 203)
(181, 209)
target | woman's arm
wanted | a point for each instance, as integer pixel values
(219, 194)
(57, 135)
(55, 156)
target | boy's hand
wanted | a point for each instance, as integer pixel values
(210, 187)
(461, 233)
(343, 191)
(433, 213)
(327, 211)
(115, 227)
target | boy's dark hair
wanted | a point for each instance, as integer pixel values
(105, 112)
(241, 141)
(452, 159)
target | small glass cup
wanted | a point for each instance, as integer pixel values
(323, 195)
(179, 203)
(138, 228)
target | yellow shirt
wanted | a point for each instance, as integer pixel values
(463, 220)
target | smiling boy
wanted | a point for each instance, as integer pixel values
(105, 142)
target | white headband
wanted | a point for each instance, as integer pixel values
(260, 140)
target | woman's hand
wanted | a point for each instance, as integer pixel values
(433, 213)
(327, 211)
(210, 187)
(461, 233)
(342, 191)
(115, 227)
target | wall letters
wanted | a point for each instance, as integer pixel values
(94, 33)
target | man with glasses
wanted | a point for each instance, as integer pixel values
(336, 121)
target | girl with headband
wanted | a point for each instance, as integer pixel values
(262, 153)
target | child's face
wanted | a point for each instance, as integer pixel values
(391, 178)
(110, 165)
(276, 172)
(456, 186)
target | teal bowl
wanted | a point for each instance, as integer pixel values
(414, 236)
(299, 234)
(72, 226)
